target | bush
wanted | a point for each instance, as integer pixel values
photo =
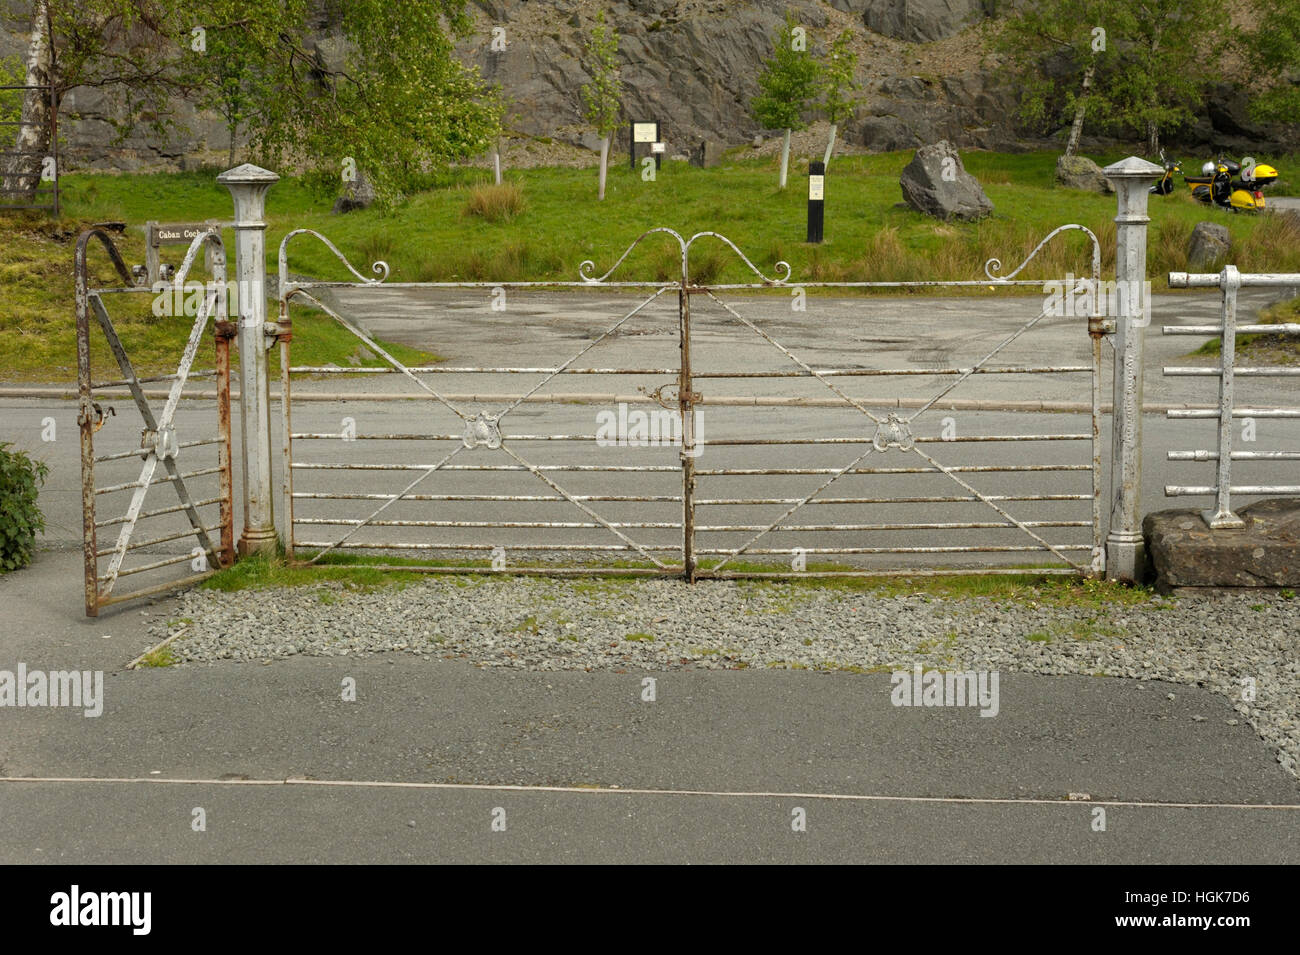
(20, 518)
(495, 203)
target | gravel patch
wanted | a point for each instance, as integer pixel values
(1218, 641)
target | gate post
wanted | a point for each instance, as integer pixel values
(1125, 550)
(248, 185)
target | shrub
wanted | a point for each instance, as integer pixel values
(20, 518)
(495, 203)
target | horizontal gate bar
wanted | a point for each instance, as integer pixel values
(160, 511)
(638, 498)
(1215, 372)
(126, 571)
(733, 472)
(121, 596)
(137, 452)
(119, 382)
(559, 525)
(674, 525)
(714, 442)
(1236, 455)
(189, 532)
(1236, 413)
(1196, 490)
(973, 549)
(379, 545)
(674, 499)
(792, 373)
(162, 479)
(1286, 328)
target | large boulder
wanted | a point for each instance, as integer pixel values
(1208, 246)
(357, 194)
(935, 182)
(1185, 552)
(1080, 172)
(706, 154)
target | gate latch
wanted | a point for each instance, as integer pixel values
(96, 416)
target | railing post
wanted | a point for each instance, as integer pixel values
(248, 186)
(1125, 551)
(1221, 514)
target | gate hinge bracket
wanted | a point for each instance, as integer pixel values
(277, 332)
(1101, 326)
(226, 329)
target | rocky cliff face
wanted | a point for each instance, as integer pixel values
(693, 65)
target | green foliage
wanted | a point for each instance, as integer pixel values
(838, 86)
(601, 98)
(12, 73)
(1149, 66)
(395, 99)
(20, 517)
(1273, 51)
(789, 83)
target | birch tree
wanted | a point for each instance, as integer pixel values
(787, 86)
(838, 101)
(603, 95)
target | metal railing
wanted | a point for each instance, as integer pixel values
(1230, 280)
(22, 173)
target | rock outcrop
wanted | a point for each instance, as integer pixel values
(1080, 172)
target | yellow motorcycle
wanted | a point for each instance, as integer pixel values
(1216, 185)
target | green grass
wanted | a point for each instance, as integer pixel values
(161, 657)
(365, 573)
(559, 224)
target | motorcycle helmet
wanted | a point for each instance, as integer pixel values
(1207, 169)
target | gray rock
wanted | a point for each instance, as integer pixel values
(706, 154)
(756, 142)
(936, 183)
(358, 194)
(1080, 172)
(1208, 246)
(1185, 552)
(920, 21)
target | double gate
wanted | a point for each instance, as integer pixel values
(680, 428)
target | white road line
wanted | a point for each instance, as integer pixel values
(615, 791)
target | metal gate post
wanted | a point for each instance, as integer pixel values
(686, 398)
(248, 185)
(1125, 551)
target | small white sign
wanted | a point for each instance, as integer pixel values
(656, 147)
(816, 187)
(644, 132)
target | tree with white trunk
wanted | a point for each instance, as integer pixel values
(839, 85)
(789, 83)
(602, 97)
(22, 172)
